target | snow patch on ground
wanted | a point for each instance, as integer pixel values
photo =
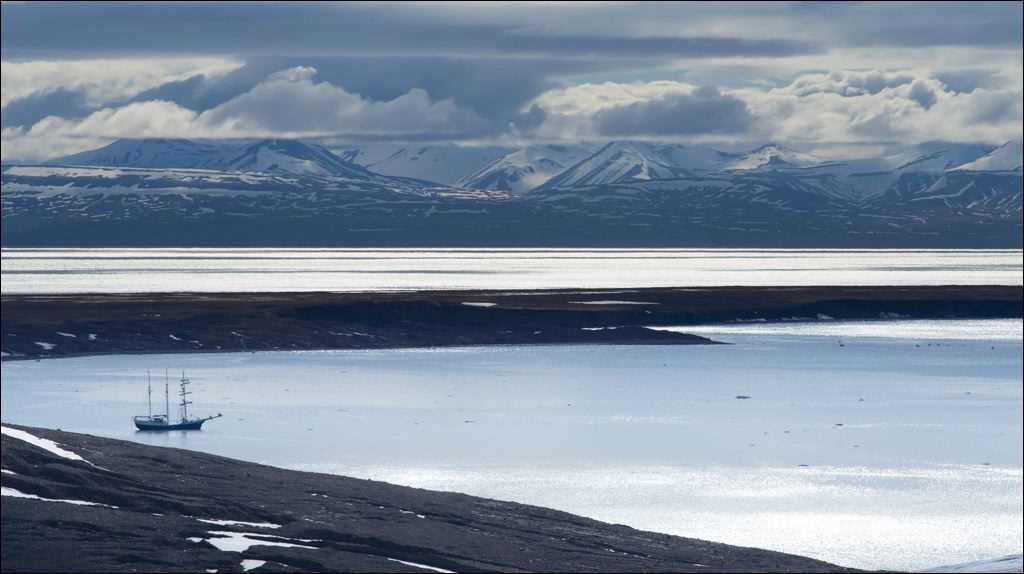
(68, 335)
(478, 304)
(613, 302)
(45, 444)
(238, 523)
(92, 336)
(241, 541)
(10, 472)
(249, 564)
(13, 493)
(423, 566)
(46, 346)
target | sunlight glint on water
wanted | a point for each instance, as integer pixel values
(912, 444)
(150, 270)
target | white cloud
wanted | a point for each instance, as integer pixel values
(848, 83)
(103, 81)
(843, 107)
(908, 107)
(855, 108)
(292, 101)
(289, 104)
(584, 99)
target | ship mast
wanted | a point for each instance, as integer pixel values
(167, 399)
(184, 396)
(149, 393)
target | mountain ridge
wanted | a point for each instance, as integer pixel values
(625, 193)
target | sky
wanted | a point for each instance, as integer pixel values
(834, 78)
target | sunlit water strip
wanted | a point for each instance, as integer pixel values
(904, 329)
(266, 270)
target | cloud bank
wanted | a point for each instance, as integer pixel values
(76, 76)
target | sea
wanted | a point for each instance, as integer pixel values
(268, 270)
(891, 444)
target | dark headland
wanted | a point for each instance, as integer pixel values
(38, 326)
(147, 502)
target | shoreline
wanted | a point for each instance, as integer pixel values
(52, 326)
(159, 507)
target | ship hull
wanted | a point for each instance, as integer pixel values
(155, 426)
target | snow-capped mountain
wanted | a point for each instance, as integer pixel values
(526, 168)
(271, 156)
(174, 192)
(292, 156)
(157, 153)
(1007, 157)
(444, 164)
(625, 161)
(931, 157)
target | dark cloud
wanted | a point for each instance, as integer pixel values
(706, 111)
(29, 110)
(302, 29)
(923, 94)
(496, 89)
(202, 92)
(996, 108)
(968, 80)
(915, 24)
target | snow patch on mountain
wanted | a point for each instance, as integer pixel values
(268, 156)
(1007, 157)
(292, 156)
(932, 157)
(626, 161)
(774, 156)
(526, 168)
(157, 153)
(444, 164)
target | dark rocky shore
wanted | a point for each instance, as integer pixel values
(37, 326)
(148, 502)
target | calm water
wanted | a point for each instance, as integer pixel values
(141, 270)
(925, 469)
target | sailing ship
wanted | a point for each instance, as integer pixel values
(162, 422)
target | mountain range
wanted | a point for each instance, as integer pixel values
(621, 193)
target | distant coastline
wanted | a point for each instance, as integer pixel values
(51, 326)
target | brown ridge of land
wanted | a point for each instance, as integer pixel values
(147, 503)
(40, 326)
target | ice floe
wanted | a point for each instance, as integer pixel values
(46, 346)
(68, 335)
(14, 493)
(478, 304)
